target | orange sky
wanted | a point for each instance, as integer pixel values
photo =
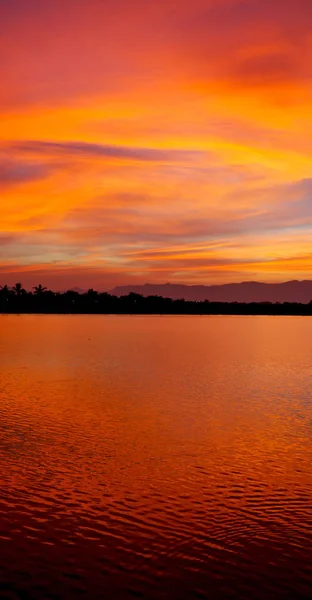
(155, 141)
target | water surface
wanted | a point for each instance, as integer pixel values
(155, 457)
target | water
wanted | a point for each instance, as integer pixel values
(155, 457)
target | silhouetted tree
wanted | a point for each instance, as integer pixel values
(18, 289)
(39, 289)
(4, 297)
(4, 291)
(92, 294)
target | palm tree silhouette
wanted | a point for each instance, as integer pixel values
(18, 289)
(4, 296)
(39, 289)
(4, 291)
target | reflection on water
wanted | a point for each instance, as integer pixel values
(155, 457)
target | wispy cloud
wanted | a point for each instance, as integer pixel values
(15, 172)
(72, 149)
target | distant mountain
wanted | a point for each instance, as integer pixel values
(247, 291)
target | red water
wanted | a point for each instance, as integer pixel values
(155, 457)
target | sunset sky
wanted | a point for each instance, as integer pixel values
(155, 141)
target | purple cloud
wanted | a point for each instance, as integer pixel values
(86, 150)
(14, 172)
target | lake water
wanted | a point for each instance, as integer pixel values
(155, 457)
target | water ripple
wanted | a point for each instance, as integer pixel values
(169, 459)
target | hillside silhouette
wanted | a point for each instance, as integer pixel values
(247, 291)
(42, 300)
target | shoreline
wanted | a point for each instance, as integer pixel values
(299, 311)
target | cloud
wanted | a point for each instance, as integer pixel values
(267, 69)
(6, 239)
(15, 172)
(280, 207)
(101, 151)
(86, 49)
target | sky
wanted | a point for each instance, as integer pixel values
(166, 141)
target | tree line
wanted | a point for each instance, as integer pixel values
(42, 300)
